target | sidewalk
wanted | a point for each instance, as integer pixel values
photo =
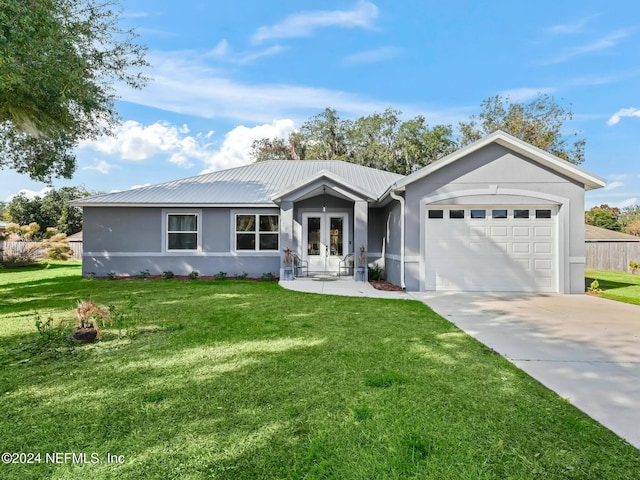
(344, 286)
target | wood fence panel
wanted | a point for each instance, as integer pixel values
(613, 256)
(13, 249)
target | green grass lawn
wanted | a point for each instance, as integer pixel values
(246, 380)
(623, 287)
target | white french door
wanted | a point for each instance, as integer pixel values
(325, 240)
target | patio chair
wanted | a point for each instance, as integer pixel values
(300, 267)
(346, 264)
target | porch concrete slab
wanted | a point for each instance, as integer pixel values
(586, 349)
(344, 286)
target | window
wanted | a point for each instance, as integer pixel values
(257, 232)
(499, 213)
(456, 213)
(436, 213)
(543, 213)
(478, 214)
(182, 231)
(521, 214)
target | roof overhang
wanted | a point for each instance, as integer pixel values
(311, 187)
(535, 154)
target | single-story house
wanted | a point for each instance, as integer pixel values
(497, 215)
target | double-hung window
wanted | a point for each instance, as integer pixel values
(182, 231)
(255, 232)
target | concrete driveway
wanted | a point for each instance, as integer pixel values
(584, 348)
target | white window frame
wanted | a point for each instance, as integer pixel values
(165, 227)
(256, 250)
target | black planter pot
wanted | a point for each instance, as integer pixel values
(85, 335)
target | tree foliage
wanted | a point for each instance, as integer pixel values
(51, 210)
(381, 140)
(59, 62)
(539, 122)
(603, 216)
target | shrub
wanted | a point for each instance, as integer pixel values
(268, 277)
(193, 275)
(167, 274)
(375, 272)
(90, 275)
(112, 275)
(634, 266)
(143, 274)
(242, 276)
(595, 287)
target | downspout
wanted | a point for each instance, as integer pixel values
(401, 200)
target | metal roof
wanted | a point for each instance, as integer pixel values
(253, 184)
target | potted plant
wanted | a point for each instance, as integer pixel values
(287, 271)
(362, 264)
(88, 315)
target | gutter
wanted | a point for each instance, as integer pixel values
(395, 196)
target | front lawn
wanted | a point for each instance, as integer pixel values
(620, 286)
(245, 380)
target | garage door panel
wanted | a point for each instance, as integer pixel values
(521, 231)
(505, 254)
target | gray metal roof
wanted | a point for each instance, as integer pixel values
(251, 184)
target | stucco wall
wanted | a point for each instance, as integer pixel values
(129, 240)
(496, 175)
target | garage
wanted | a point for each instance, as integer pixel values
(501, 248)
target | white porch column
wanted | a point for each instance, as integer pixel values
(360, 234)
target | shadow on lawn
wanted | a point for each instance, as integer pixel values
(608, 284)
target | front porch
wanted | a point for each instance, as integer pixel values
(324, 223)
(343, 286)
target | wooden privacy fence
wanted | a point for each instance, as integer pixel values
(14, 249)
(612, 255)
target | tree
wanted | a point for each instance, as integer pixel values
(59, 60)
(603, 216)
(51, 210)
(539, 122)
(630, 219)
(381, 140)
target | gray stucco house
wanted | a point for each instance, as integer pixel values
(497, 215)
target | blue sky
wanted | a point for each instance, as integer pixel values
(226, 73)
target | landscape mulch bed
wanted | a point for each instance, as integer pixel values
(386, 286)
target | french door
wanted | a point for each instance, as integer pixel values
(325, 240)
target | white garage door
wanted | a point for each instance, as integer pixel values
(495, 248)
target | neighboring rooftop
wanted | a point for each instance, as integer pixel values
(251, 184)
(597, 234)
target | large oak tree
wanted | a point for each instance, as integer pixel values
(59, 63)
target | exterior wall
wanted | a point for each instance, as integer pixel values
(496, 175)
(314, 204)
(376, 227)
(129, 240)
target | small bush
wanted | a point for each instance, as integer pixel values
(90, 275)
(112, 275)
(242, 276)
(634, 266)
(193, 275)
(375, 272)
(595, 287)
(220, 276)
(168, 274)
(268, 277)
(143, 274)
(49, 332)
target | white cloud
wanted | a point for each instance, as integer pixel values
(237, 144)
(136, 142)
(629, 202)
(570, 28)
(623, 112)
(523, 94)
(31, 194)
(306, 23)
(100, 166)
(371, 56)
(613, 185)
(603, 43)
